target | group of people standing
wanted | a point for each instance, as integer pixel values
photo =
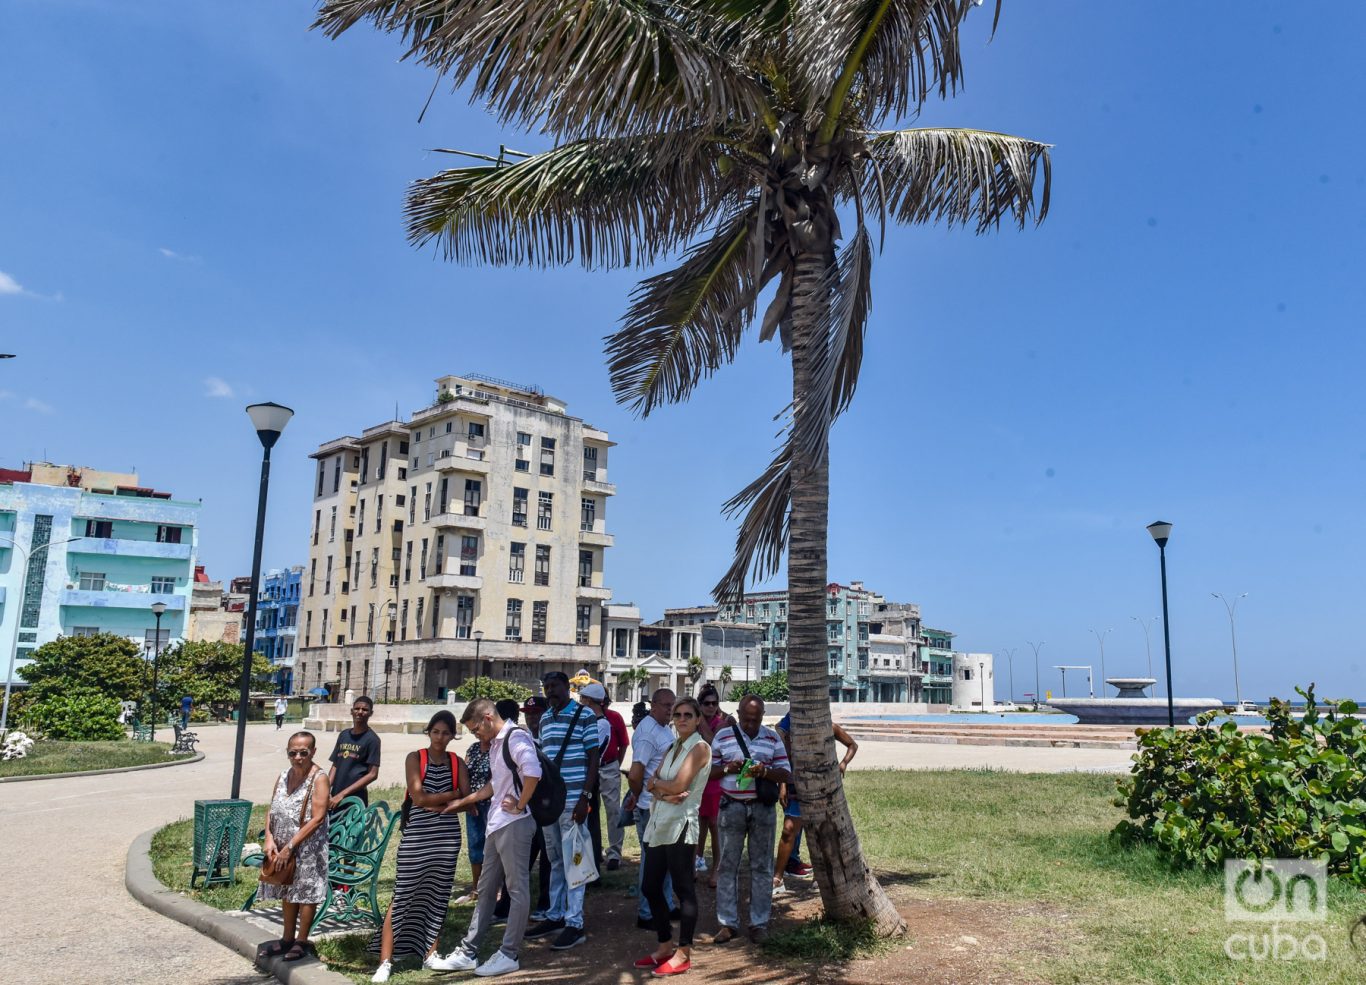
(694, 773)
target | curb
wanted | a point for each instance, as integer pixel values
(237, 935)
(118, 769)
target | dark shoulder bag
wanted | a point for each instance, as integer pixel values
(547, 800)
(765, 790)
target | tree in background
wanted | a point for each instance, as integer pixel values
(75, 684)
(771, 687)
(723, 681)
(695, 669)
(494, 690)
(209, 672)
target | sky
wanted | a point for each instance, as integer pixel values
(201, 208)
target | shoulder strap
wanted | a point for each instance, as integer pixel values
(308, 795)
(422, 765)
(740, 738)
(507, 759)
(559, 756)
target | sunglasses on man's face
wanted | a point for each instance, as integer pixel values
(710, 702)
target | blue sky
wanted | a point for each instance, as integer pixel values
(200, 207)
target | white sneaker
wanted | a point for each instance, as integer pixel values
(457, 960)
(382, 972)
(499, 964)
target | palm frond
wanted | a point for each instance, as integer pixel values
(573, 68)
(686, 323)
(968, 177)
(762, 539)
(609, 202)
(889, 55)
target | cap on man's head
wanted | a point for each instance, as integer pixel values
(594, 692)
(536, 702)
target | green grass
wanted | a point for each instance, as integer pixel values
(1028, 856)
(77, 757)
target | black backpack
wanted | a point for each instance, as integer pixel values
(547, 800)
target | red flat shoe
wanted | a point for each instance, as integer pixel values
(669, 968)
(649, 961)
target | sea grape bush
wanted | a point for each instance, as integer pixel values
(1216, 792)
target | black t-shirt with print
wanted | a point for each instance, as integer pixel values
(354, 756)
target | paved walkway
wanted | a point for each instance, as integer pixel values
(67, 917)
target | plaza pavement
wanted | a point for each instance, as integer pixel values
(67, 918)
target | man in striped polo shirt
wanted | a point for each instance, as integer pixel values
(569, 738)
(745, 818)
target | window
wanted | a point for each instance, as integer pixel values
(513, 629)
(542, 565)
(92, 581)
(585, 569)
(517, 563)
(317, 525)
(588, 514)
(473, 496)
(308, 629)
(163, 586)
(412, 504)
(436, 616)
(519, 497)
(360, 517)
(538, 616)
(370, 624)
(374, 566)
(383, 460)
(422, 563)
(364, 465)
(408, 563)
(312, 575)
(169, 534)
(85, 631)
(379, 513)
(336, 485)
(417, 622)
(590, 463)
(469, 554)
(440, 554)
(523, 462)
(403, 621)
(322, 476)
(464, 616)
(427, 504)
(547, 456)
(583, 617)
(99, 528)
(545, 505)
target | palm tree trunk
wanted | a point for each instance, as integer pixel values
(848, 890)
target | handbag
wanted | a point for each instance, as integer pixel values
(577, 847)
(765, 790)
(285, 877)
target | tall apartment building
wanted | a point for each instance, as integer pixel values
(84, 551)
(476, 529)
(277, 622)
(936, 657)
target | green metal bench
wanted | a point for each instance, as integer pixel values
(141, 733)
(357, 840)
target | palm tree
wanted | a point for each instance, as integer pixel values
(747, 134)
(724, 679)
(695, 669)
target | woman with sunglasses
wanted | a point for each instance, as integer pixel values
(671, 837)
(297, 828)
(710, 812)
(426, 855)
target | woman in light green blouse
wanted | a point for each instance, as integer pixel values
(671, 837)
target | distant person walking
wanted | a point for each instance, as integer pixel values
(355, 759)
(281, 709)
(186, 703)
(297, 828)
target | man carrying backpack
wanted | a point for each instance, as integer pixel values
(516, 771)
(569, 739)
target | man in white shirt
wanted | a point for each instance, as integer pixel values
(649, 743)
(281, 709)
(507, 838)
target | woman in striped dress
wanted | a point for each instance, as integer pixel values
(426, 855)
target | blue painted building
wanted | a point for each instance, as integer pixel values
(277, 622)
(84, 551)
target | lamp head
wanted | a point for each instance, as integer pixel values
(269, 419)
(158, 608)
(1160, 530)
(478, 634)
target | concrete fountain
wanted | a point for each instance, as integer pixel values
(1131, 706)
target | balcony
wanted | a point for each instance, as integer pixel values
(119, 547)
(595, 481)
(594, 592)
(122, 597)
(458, 462)
(597, 538)
(444, 521)
(469, 583)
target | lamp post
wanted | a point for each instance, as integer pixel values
(1233, 636)
(1100, 637)
(23, 596)
(388, 666)
(1037, 646)
(158, 609)
(478, 638)
(1161, 532)
(269, 420)
(1010, 665)
(982, 680)
(1147, 642)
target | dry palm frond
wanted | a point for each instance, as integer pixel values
(962, 176)
(609, 202)
(686, 323)
(577, 69)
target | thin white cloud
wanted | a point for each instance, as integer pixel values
(32, 403)
(8, 285)
(170, 254)
(214, 387)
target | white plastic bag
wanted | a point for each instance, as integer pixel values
(579, 869)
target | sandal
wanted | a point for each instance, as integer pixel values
(273, 949)
(297, 951)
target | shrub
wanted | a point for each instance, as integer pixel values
(1215, 792)
(495, 690)
(772, 687)
(81, 714)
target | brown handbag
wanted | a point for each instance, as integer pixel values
(285, 877)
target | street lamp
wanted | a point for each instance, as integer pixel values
(158, 610)
(23, 596)
(982, 680)
(1037, 646)
(1233, 636)
(1010, 664)
(388, 666)
(1162, 531)
(1147, 642)
(1101, 638)
(478, 638)
(269, 420)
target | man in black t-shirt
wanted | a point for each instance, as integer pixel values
(355, 760)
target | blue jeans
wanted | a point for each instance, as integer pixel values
(566, 903)
(475, 823)
(643, 908)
